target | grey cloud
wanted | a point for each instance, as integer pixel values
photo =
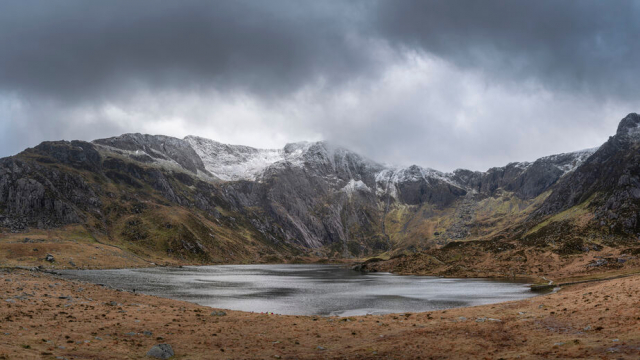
(96, 49)
(571, 66)
(81, 49)
(587, 46)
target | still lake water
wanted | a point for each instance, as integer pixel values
(306, 289)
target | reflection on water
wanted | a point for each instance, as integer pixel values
(306, 289)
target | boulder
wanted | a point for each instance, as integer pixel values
(161, 351)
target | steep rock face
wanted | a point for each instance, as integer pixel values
(149, 148)
(311, 195)
(609, 180)
(233, 162)
(32, 195)
(307, 195)
(546, 171)
(526, 180)
(78, 154)
(415, 186)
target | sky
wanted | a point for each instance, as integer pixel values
(442, 84)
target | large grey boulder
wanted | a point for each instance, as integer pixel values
(161, 351)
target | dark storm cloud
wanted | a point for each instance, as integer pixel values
(439, 83)
(80, 49)
(588, 46)
(87, 48)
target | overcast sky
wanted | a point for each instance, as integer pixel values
(442, 84)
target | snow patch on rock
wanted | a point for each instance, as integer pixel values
(567, 162)
(233, 162)
(355, 185)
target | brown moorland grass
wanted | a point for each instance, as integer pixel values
(42, 317)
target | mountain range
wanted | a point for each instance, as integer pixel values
(201, 201)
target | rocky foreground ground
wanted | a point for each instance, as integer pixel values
(46, 317)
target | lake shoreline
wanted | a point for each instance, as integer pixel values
(50, 316)
(306, 289)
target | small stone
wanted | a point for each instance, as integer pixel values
(10, 301)
(587, 328)
(147, 333)
(218, 313)
(481, 320)
(320, 348)
(131, 333)
(49, 258)
(161, 351)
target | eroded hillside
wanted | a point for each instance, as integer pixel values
(157, 199)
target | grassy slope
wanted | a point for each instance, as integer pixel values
(137, 226)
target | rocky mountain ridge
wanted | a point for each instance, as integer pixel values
(237, 162)
(195, 197)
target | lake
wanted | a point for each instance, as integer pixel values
(306, 289)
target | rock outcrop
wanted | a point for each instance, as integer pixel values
(305, 196)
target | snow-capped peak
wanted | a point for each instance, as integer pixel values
(568, 162)
(233, 162)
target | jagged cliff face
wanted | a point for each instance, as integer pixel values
(608, 183)
(304, 197)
